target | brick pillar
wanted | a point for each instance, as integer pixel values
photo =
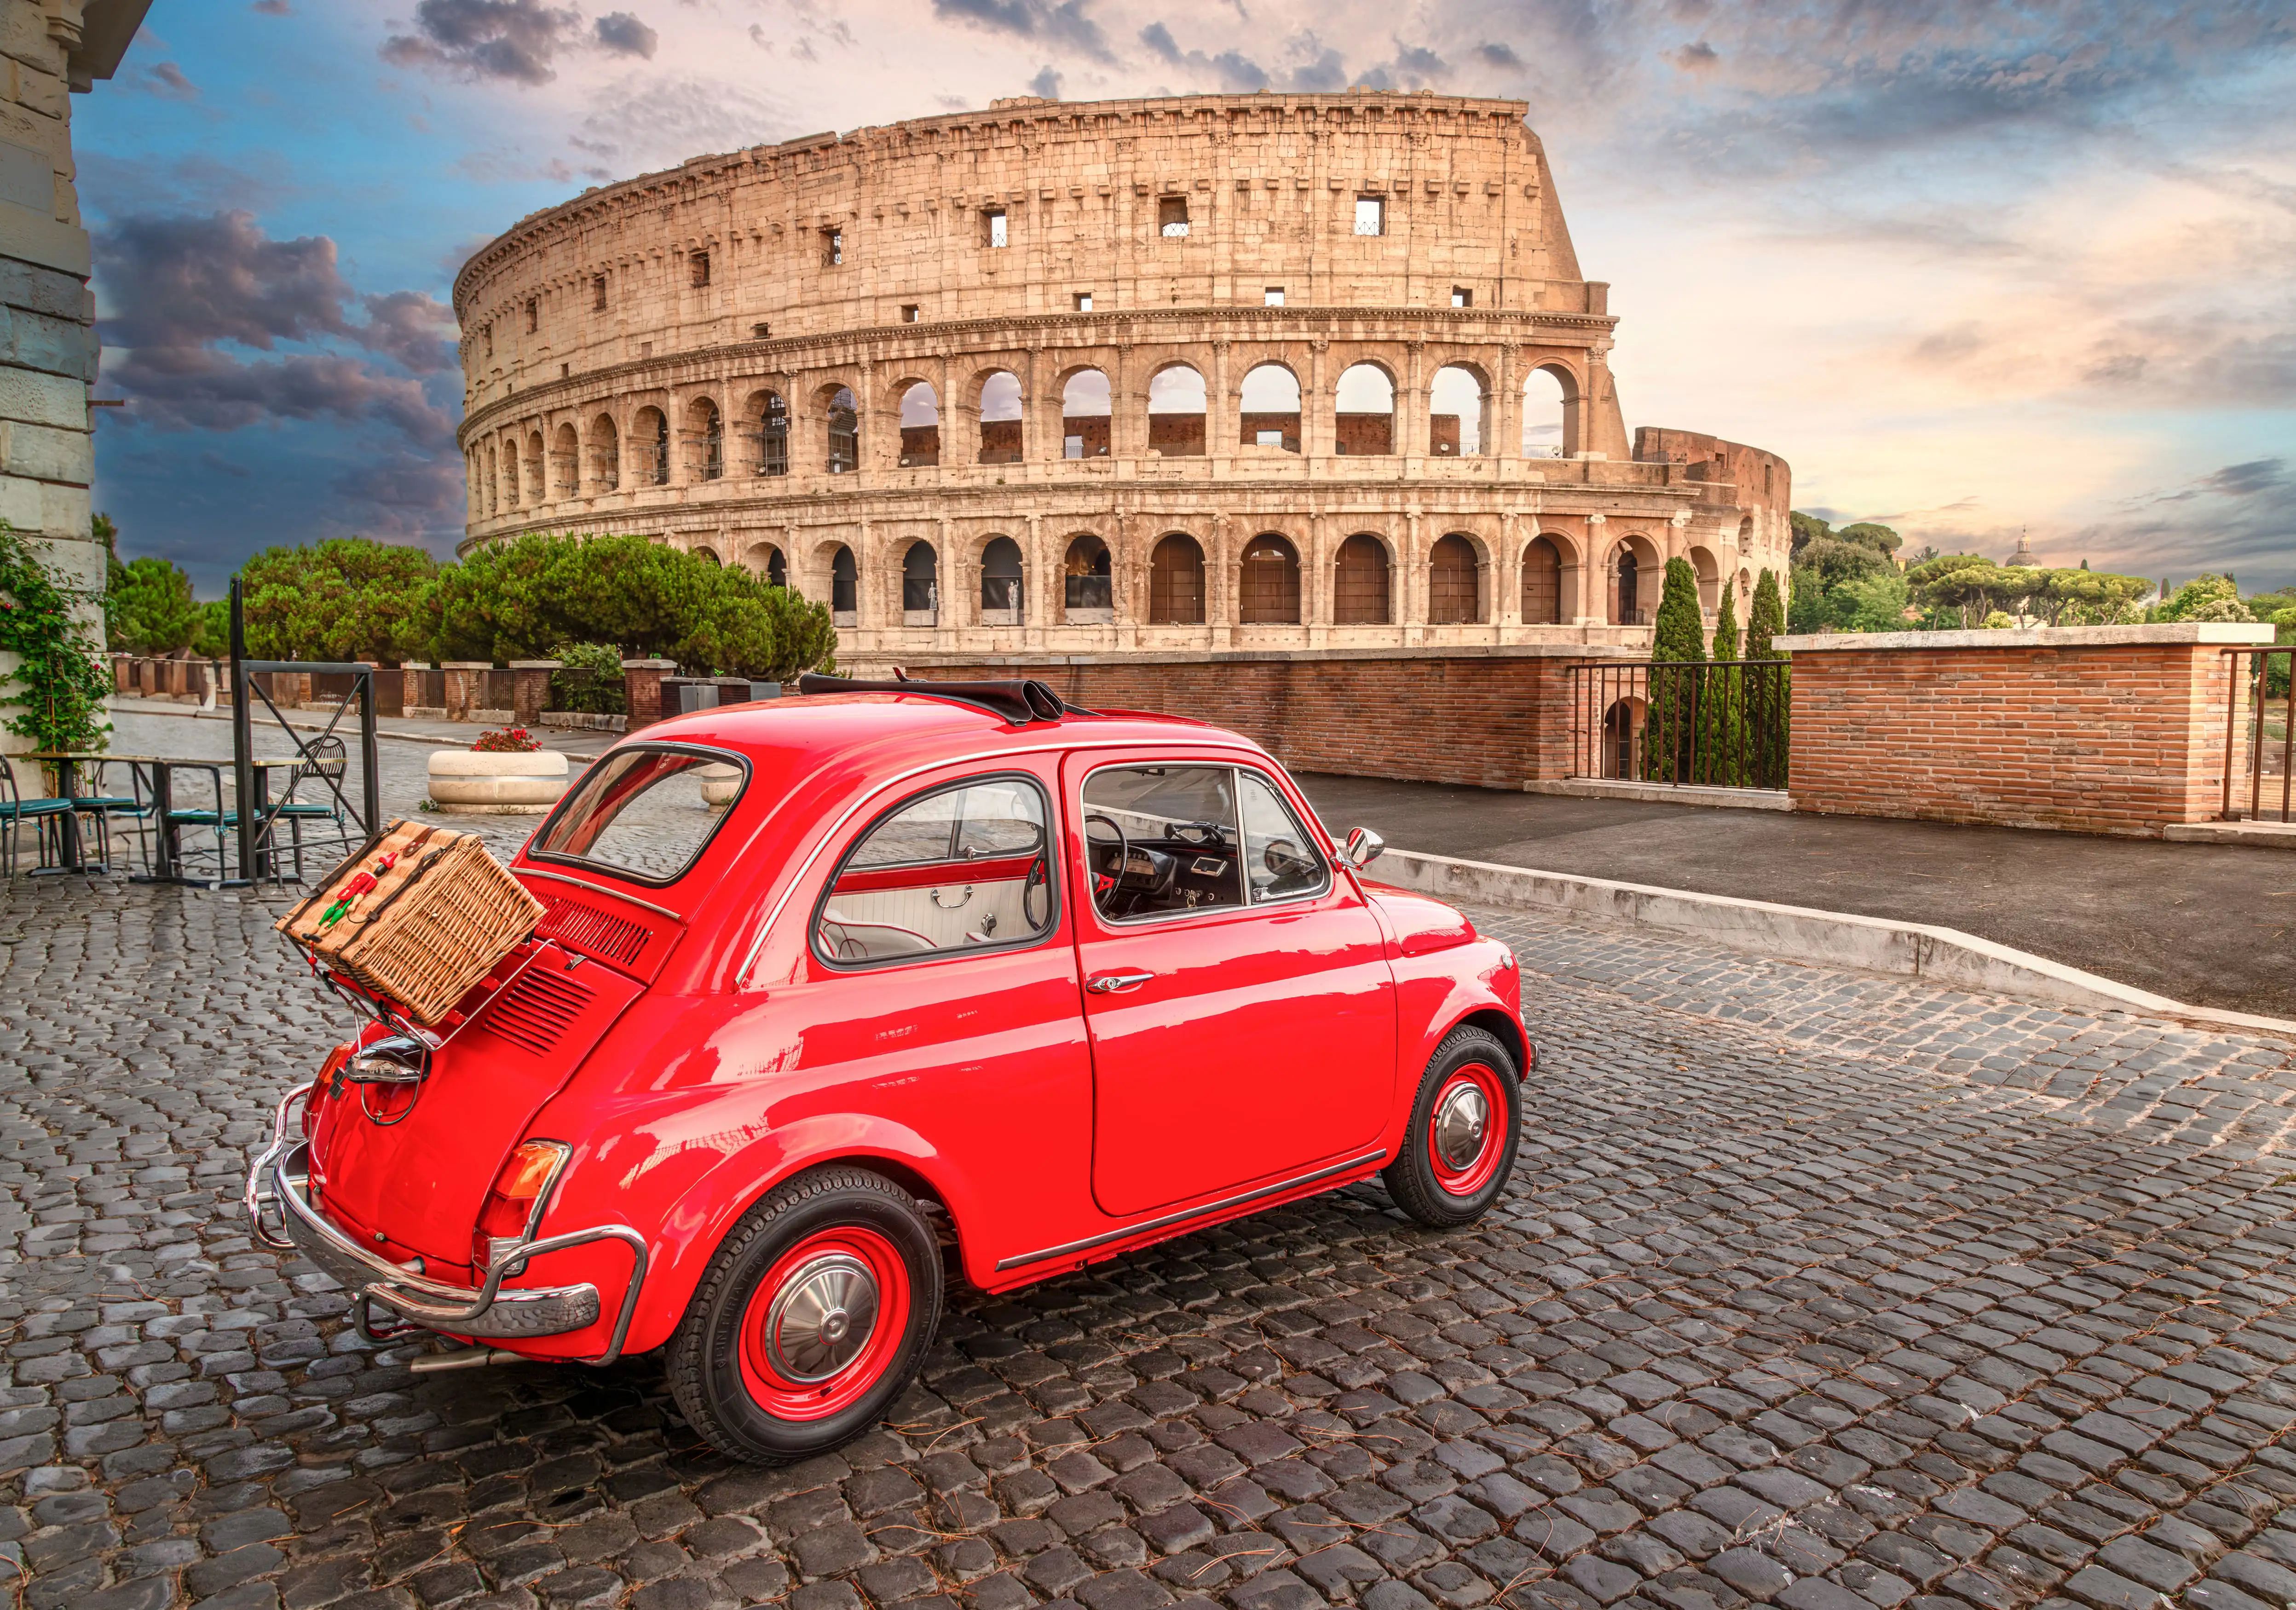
(410, 683)
(465, 686)
(642, 688)
(121, 666)
(531, 696)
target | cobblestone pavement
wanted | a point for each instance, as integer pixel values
(1813, 1288)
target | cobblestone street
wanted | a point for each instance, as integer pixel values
(1813, 1288)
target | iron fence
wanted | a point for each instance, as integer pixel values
(2259, 765)
(1704, 723)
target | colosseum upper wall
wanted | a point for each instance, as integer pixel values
(1203, 372)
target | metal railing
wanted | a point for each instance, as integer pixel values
(1701, 724)
(2259, 765)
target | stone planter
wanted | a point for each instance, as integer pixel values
(470, 782)
(719, 784)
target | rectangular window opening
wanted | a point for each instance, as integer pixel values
(1371, 214)
(1461, 297)
(533, 315)
(1084, 301)
(832, 248)
(758, 332)
(908, 313)
(1274, 295)
(995, 227)
(697, 264)
(598, 294)
(1172, 216)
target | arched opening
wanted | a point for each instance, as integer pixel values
(769, 424)
(1544, 403)
(1000, 582)
(1457, 406)
(844, 587)
(509, 468)
(1454, 583)
(1542, 583)
(1360, 591)
(1176, 413)
(537, 488)
(705, 437)
(1745, 597)
(1087, 584)
(1623, 739)
(1000, 419)
(1366, 411)
(490, 488)
(1633, 596)
(709, 554)
(770, 561)
(920, 426)
(566, 460)
(844, 432)
(1268, 593)
(652, 428)
(1175, 582)
(920, 584)
(1271, 408)
(1710, 580)
(605, 453)
(1085, 414)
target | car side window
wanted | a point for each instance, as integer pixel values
(1161, 838)
(1280, 861)
(958, 868)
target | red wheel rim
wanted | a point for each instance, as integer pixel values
(1466, 1130)
(824, 1324)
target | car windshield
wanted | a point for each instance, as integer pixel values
(645, 813)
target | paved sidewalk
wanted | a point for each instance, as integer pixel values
(457, 734)
(2213, 925)
(1816, 1288)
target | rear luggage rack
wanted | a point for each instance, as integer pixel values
(1018, 702)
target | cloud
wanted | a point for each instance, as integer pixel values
(1046, 84)
(182, 281)
(166, 80)
(1495, 54)
(202, 388)
(2247, 480)
(657, 121)
(514, 41)
(623, 35)
(411, 327)
(422, 490)
(1698, 57)
(272, 8)
(1065, 24)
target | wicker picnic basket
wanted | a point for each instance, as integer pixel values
(417, 916)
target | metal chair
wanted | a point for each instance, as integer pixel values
(220, 820)
(96, 799)
(16, 811)
(324, 765)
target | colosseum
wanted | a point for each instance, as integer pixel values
(1185, 380)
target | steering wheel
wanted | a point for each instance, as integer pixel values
(1204, 835)
(1123, 854)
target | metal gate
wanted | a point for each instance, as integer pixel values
(1701, 724)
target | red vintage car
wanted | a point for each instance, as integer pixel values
(963, 981)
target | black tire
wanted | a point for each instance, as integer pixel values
(710, 1375)
(1413, 1179)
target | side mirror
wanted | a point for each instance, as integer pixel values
(1363, 847)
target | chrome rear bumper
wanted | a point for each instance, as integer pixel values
(279, 1205)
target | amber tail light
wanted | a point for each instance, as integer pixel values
(510, 1201)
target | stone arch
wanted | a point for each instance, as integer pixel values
(919, 407)
(705, 439)
(1621, 739)
(997, 400)
(489, 469)
(920, 583)
(535, 482)
(1178, 408)
(1088, 581)
(704, 551)
(1458, 412)
(1542, 581)
(1550, 412)
(1710, 579)
(768, 560)
(1176, 581)
(840, 417)
(1269, 407)
(844, 585)
(766, 423)
(1363, 410)
(1363, 583)
(605, 453)
(1003, 599)
(1267, 593)
(1087, 409)
(650, 439)
(1632, 577)
(566, 458)
(1454, 592)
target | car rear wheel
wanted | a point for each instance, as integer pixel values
(1466, 1122)
(811, 1320)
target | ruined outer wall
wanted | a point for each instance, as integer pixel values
(1479, 720)
(2101, 730)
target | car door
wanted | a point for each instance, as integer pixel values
(1238, 1000)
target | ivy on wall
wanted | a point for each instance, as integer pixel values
(55, 695)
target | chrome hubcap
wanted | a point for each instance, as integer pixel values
(1459, 1125)
(822, 1316)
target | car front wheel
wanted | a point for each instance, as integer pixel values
(1466, 1122)
(811, 1320)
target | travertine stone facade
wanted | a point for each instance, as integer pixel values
(1198, 373)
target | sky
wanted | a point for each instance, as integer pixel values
(1976, 270)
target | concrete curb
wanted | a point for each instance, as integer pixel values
(1879, 944)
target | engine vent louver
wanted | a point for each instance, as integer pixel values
(538, 1008)
(586, 928)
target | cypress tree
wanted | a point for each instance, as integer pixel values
(1768, 618)
(1726, 625)
(1675, 690)
(1769, 701)
(1725, 702)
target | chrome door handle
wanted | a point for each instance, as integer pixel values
(1109, 984)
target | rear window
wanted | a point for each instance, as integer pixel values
(644, 812)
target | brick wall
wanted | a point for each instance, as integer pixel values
(1483, 720)
(2111, 730)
